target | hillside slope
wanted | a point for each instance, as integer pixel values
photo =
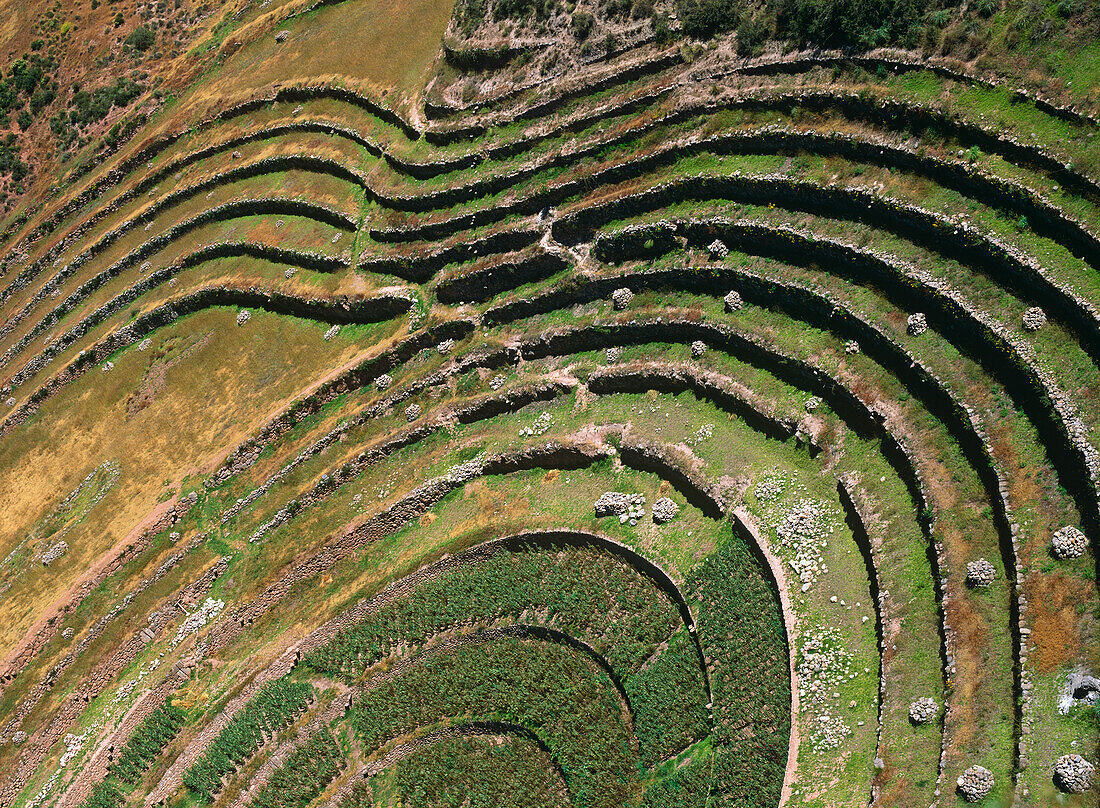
(530, 404)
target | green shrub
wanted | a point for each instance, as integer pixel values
(846, 23)
(582, 24)
(702, 19)
(141, 38)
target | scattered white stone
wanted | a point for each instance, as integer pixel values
(290, 273)
(923, 710)
(68, 633)
(698, 348)
(664, 510)
(1034, 318)
(108, 366)
(174, 536)
(1073, 773)
(733, 301)
(540, 427)
(412, 412)
(851, 347)
(209, 610)
(144, 344)
(975, 783)
(980, 573)
(332, 332)
(813, 403)
(613, 354)
(917, 324)
(282, 36)
(19, 737)
(1069, 542)
(446, 346)
(11, 401)
(243, 317)
(621, 298)
(497, 382)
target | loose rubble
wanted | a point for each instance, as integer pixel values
(54, 552)
(664, 510)
(1068, 542)
(975, 783)
(1072, 773)
(980, 573)
(917, 324)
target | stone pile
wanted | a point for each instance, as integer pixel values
(975, 783)
(1034, 319)
(698, 348)
(628, 507)
(980, 573)
(1068, 542)
(923, 710)
(332, 332)
(851, 347)
(384, 381)
(497, 382)
(621, 298)
(446, 346)
(733, 301)
(412, 412)
(613, 354)
(917, 324)
(1073, 773)
(244, 316)
(717, 250)
(664, 510)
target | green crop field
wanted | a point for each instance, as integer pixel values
(500, 403)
